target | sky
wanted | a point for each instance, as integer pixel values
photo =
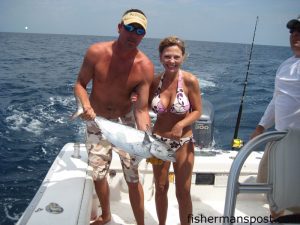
(202, 20)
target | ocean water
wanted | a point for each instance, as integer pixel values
(37, 74)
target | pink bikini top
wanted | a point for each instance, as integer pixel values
(181, 103)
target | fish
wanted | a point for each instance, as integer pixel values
(138, 143)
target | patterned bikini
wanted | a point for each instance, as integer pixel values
(180, 106)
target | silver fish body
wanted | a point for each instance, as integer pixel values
(135, 142)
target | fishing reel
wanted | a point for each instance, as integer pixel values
(237, 143)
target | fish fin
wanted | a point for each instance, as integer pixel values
(146, 138)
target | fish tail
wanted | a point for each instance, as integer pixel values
(79, 110)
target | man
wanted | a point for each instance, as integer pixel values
(284, 109)
(116, 69)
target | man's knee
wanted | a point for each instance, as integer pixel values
(133, 184)
(131, 175)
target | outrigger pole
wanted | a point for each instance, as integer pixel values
(237, 142)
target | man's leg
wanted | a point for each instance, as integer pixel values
(262, 175)
(100, 156)
(102, 190)
(131, 175)
(130, 170)
(136, 196)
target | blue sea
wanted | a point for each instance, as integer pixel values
(37, 74)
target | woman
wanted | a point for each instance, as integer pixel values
(175, 98)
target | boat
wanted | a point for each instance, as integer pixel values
(66, 195)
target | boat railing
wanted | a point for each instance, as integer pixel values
(234, 187)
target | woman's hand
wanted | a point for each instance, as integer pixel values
(176, 132)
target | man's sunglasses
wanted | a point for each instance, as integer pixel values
(138, 31)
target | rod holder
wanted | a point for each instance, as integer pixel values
(76, 152)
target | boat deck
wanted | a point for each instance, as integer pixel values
(208, 200)
(69, 184)
(209, 205)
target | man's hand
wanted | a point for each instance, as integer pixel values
(88, 113)
(258, 130)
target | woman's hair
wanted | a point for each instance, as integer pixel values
(171, 41)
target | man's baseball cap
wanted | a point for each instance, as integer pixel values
(294, 23)
(135, 17)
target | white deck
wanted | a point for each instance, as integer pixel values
(208, 200)
(208, 206)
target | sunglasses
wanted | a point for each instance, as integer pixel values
(138, 31)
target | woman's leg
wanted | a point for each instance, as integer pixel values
(183, 169)
(161, 179)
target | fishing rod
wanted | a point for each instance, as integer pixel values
(237, 142)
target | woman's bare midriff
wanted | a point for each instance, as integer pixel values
(165, 123)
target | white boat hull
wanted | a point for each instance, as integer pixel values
(68, 183)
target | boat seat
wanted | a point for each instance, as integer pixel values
(284, 165)
(283, 181)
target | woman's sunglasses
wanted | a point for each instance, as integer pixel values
(138, 31)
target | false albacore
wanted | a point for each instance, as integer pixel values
(136, 142)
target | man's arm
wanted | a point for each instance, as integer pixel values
(267, 120)
(141, 113)
(258, 130)
(84, 77)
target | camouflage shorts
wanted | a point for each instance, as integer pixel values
(100, 152)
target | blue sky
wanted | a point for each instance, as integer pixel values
(204, 20)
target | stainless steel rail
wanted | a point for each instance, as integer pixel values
(233, 185)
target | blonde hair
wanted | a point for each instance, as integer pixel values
(171, 41)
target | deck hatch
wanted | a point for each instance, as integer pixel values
(205, 178)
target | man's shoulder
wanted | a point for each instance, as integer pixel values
(100, 47)
(144, 60)
(290, 59)
(145, 67)
(288, 62)
(98, 50)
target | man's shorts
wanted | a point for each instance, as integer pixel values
(100, 151)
